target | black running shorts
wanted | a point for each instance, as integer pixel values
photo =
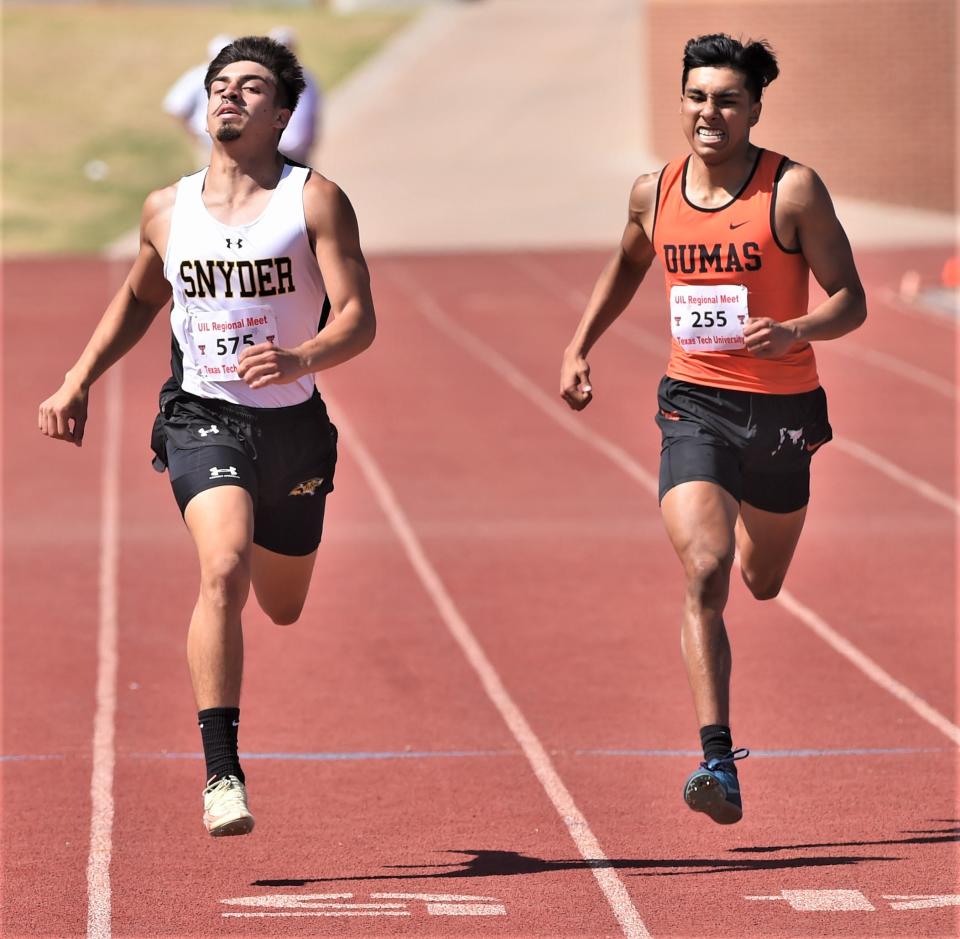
(284, 457)
(756, 446)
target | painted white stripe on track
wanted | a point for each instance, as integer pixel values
(587, 844)
(899, 475)
(651, 343)
(898, 367)
(866, 665)
(99, 903)
(485, 353)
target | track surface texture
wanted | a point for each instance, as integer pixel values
(481, 725)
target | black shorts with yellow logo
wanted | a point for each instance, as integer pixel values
(284, 457)
(756, 446)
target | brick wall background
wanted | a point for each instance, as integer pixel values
(867, 93)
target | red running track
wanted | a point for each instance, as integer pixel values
(481, 724)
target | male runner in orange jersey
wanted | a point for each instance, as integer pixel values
(737, 229)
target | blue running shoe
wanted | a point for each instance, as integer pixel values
(715, 790)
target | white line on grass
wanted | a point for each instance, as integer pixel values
(485, 353)
(99, 910)
(610, 884)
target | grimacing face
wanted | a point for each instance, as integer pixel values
(717, 112)
(243, 98)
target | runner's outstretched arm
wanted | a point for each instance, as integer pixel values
(805, 216)
(333, 229)
(129, 314)
(614, 289)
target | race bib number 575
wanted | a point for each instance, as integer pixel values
(708, 319)
(217, 337)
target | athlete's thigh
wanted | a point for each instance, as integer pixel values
(766, 542)
(220, 521)
(281, 582)
(699, 517)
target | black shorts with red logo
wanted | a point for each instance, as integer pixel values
(756, 446)
(284, 457)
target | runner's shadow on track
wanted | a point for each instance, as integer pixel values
(482, 863)
(924, 836)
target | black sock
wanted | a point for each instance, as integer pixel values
(716, 742)
(218, 729)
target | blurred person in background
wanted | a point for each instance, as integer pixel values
(187, 101)
(302, 134)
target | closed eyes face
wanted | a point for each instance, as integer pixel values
(243, 91)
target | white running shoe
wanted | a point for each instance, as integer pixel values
(225, 809)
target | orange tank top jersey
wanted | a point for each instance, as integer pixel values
(722, 265)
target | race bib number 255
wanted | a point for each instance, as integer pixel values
(217, 337)
(708, 319)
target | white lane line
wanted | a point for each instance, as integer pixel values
(651, 343)
(489, 356)
(610, 884)
(466, 909)
(866, 665)
(99, 907)
(899, 367)
(899, 475)
(433, 897)
(300, 913)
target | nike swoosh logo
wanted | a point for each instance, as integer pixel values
(738, 225)
(810, 447)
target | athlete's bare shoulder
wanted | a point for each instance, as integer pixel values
(320, 191)
(801, 189)
(155, 218)
(159, 201)
(326, 208)
(643, 195)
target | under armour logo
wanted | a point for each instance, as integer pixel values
(217, 472)
(230, 242)
(212, 429)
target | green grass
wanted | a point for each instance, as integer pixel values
(85, 82)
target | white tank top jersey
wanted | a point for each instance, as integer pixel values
(236, 286)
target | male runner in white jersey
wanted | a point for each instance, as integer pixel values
(256, 252)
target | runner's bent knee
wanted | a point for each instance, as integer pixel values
(285, 615)
(765, 586)
(225, 579)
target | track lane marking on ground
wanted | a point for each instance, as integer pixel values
(431, 311)
(575, 822)
(847, 900)
(325, 905)
(899, 475)
(99, 897)
(648, 342)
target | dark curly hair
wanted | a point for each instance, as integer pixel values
(755, 59)
(272, 55)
